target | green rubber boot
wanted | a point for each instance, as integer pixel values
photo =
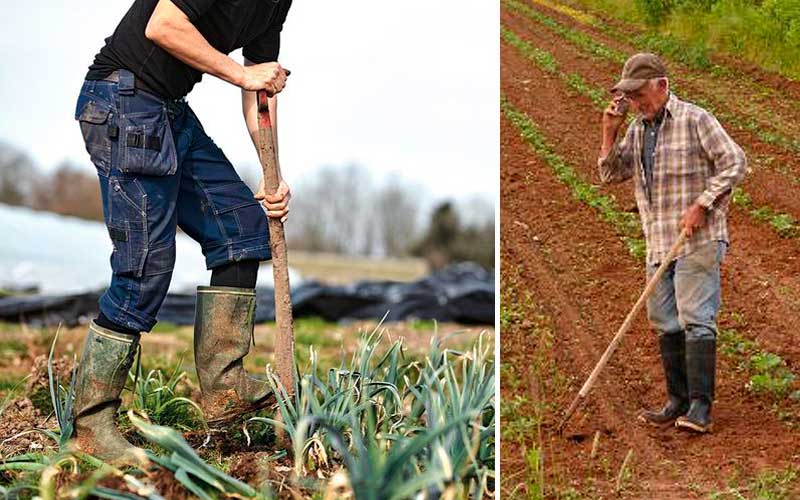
(223, 330)
(105, 361)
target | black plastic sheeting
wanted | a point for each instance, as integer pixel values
(462, 293)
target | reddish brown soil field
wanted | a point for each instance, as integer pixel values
(567, 283)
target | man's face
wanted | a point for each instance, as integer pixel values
(648, 99)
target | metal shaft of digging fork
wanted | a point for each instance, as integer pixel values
(284, 343)
(626, 325)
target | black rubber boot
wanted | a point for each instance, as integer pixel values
(673, 358)
(701, 358)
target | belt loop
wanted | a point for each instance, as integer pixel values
(126, 83)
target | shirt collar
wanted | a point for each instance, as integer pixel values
(667, 110)
(671, 104)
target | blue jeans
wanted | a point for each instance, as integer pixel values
(687, 298)
(158, 170)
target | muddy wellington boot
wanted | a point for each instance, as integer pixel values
(105, 361)
(673, 358)
(223, 331)
(701, 357)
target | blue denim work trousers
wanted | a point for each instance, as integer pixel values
(159, 170)
(687, 298)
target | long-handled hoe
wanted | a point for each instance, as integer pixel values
(284, 343)
(626, 325)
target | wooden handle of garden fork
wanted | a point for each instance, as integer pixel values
(626, 325)
(284, 343)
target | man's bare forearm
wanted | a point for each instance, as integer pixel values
(250, 112)
(170, 29)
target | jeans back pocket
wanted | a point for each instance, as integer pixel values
(146, 143)
(93, 117)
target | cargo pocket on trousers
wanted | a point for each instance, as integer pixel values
(127, 227)
(235, 209)
(93, 117)
(127, 258)
(147, 144)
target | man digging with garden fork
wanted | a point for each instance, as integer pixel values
(684, 166)
(159, 170)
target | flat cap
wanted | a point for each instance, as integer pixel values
(638, 69)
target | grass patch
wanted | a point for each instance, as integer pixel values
(12, 347)
(767, 485)
(765, 33)
(423, 325)
(580, 16)
(314, 331)
(10, 384)
(166, 327)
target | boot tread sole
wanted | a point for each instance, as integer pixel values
(685, 424)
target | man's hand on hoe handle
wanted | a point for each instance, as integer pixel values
(693, 218)
(270, 77)
(277, 204)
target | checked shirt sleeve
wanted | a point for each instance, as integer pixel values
(728, 159)
(618, 165)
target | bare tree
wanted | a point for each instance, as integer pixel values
(459, 232)
(330, 212)
(395, 218)
(69, 190)
(18, 175)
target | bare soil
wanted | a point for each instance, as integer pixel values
(569, 272)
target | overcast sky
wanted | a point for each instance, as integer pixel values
(407, 88)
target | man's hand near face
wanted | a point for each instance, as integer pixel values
(613, 118)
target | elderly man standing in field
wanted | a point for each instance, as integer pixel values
(684, 166)
(158, 170)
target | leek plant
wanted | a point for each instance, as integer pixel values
(399, 428)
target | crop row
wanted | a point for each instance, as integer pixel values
(784, 224)
(691, 55)
(768, 373)
(383, 425)
(747, 122)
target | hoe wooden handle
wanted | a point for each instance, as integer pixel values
(284, 343)
(626, 325)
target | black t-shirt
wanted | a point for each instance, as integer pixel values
(226, 24)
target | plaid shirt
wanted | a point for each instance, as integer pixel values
(694, 161)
